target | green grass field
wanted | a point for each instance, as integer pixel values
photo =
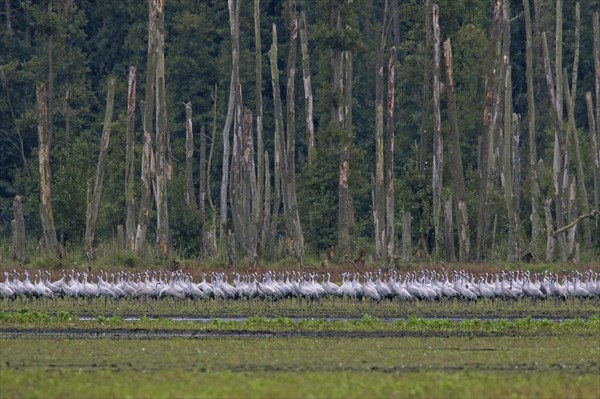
(55, 355)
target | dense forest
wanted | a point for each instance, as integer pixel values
(247, 131)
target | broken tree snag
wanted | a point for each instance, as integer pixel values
(260, 147)
(129, 162)
(46, 215)
(93, 204)
(455, 162)
(18, 230)
(190, 198)
(308, 96)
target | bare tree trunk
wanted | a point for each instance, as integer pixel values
(291, 213)
(234, 28)
(426, 109)
(162, 143)
(236, 184)
(190, 198)
(536, 227)
(93, 203)
(278, 141)
(550, 240)
(308, 96)
(18, 230)
(596, 34)
(437, 135)
(559, 149)
(203, 174)
(455, 161)
(8, 16)
(260, 147)
(378, 196)
(594, 148)
(51, 77)
(209, 234)
(266, 240)
(46, 215)
(148, 164)
(129, 163)
(389, 196)
(492, 105)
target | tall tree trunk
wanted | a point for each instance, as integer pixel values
(8, 16)
(455, 161)
(129, 162)
(260, 147)
(406, 240)
(234, 29)
(308, 96)
(559, 150)
(203, 183)
(595, 149)
(162, 142)
(209, 234)
(46, 215)
(424, 155)
(292, 216)
(190, 198)
(279, 163)
(93, 202)
(18, 227)
(51, 78)
(449, 252)
(536, 226)
(550, 240)
(148, 169)
(389, 158)
(493, 100)
(596, 34)
(378, 195)
(437, 135)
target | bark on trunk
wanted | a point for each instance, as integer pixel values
(190, 197)
(292, 216)
(279, 163)
(437, 135)
(129, 163)
(18, 231)
(260, 147)
(424, 155)
(46, 214)
(162, 143)
(536, 226)
(449, 251)
(559, 149)
(389, 195)
(550, 240)
(148, 165)
(378, 195)
(596, 34)
(93, 203)
(455, 161)
(203, 174)
(343, 210)
(595, 149)
(308, 96)
(406, 239)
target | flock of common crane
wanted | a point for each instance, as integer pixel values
(424, 285)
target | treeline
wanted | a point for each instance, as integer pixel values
(252, 131)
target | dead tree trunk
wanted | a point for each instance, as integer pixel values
(424, 155)
(46, 215)
(455, 161)
(559, 149)
(449, 251)
(550, 240)
(18, 231)
(596, 34)
(129, 163)
(279, 163)
(190, 198)
(389, 158)
(148, 169)
(343, 203)
(437, 135)
(536, 226)
(308, 96)
(406, 239)
(93, 202)
(595, 149)
(491, 111)
(292, 216)
(260, 147)
(378, 196)
(162, 143)
(202, 185)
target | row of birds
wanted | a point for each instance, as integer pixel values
(424, 285)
